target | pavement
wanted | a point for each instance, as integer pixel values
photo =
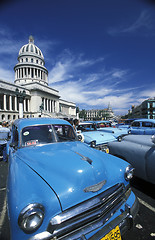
(4, 223)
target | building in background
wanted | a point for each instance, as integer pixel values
(97, 114)
(31, 88)
(145, 110)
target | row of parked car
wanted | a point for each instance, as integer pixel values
(133, 142)
(61, 188)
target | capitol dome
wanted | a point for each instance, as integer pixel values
(30, 67)
(31, 49)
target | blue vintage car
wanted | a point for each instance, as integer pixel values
(105, 126)
(126, 123)
(143, 126)
(60, 188)
(93, 137)
(138, 150)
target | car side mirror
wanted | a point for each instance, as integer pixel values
(153, 138)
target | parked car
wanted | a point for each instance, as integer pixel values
(105, 126)
(125, 123)
(94, 138)
(143, 126)
(138, 150)
(60, 188)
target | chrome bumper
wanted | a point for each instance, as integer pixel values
(124, 221)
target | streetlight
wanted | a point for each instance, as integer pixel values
(21, 96)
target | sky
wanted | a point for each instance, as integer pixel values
(97, 52)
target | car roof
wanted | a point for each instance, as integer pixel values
(102, 121)
(86, 123)
(24, 122)
(145, 120)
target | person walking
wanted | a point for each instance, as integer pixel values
(4, 137)
(75, 124)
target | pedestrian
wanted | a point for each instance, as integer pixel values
(4, 137)
(75, 124)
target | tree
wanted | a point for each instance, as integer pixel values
(82, 114)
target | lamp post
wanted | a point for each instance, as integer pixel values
(21, 96)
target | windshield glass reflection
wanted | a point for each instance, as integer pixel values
(45, 134)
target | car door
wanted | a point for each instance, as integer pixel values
(135, 129)
(148, 128)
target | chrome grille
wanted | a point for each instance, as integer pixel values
(88, 215)
(101, 147)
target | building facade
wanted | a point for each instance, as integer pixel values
(145, 110)
(99, 114)
(31, 88)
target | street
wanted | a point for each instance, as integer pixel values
(144, 226)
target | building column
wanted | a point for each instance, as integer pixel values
(57, 106)
(50, 105)
(19, 73)
(10, 103)
(30, 72)
(28, 105)
(47, 105)
(53, 108)
(24, 105)
(24, 75)
(44, 104)
(4, 101)
(15, 103)
(34, 73)
(27, 72)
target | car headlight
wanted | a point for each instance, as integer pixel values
(93, 144)
(153, 138)
(119, 139)
(129, 172)
(31, 217)
(106, 150)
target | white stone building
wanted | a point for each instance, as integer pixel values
(31, 81)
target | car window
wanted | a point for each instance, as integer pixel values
(103, 124)
(15, 136)
(44, 134)
(64, 133)
(40, 134)
(135, 124)
(86, 127)
(147, 124)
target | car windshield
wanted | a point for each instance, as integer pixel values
(103, 124)
(86, 127)
(45, 134)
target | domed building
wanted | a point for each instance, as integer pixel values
(30, 95)
(30, 66)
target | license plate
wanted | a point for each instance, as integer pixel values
(114, 234)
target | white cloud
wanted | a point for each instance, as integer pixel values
(144, 22)
(96, 90)
(69, 66)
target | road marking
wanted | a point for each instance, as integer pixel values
(2, 189)
(2, 216)
(147, 205)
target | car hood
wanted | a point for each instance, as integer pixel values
(69, 168)
(99, 136)
(140, 139)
